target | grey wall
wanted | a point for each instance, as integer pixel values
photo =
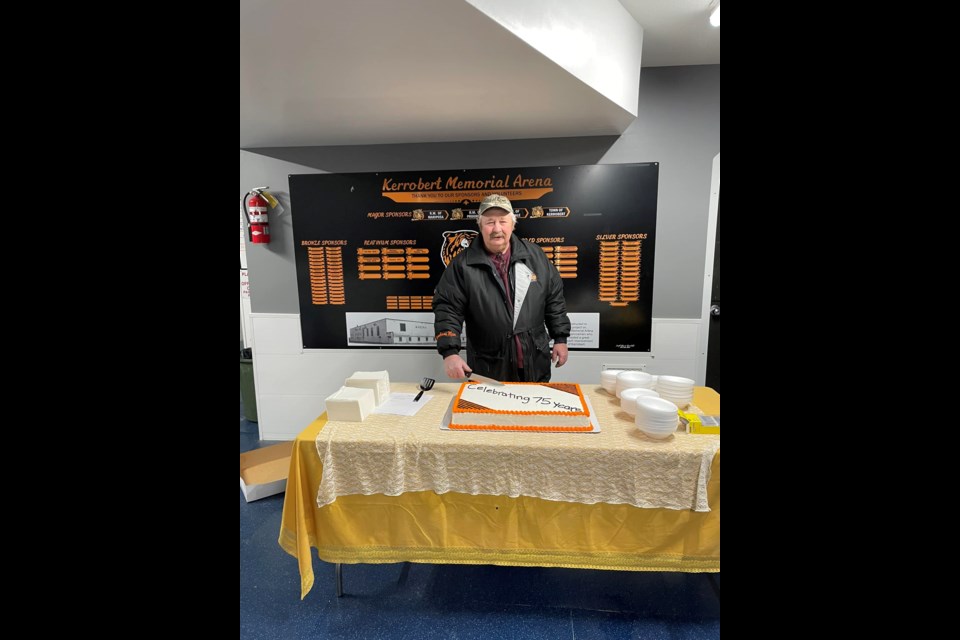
(678, 126)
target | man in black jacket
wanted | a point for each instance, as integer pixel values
(506, 290)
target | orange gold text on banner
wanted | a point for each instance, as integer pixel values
(470, 196)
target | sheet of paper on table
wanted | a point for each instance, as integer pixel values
(402, 404)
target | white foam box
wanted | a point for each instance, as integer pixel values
(379, 381)
(350, 404)
(263, 472)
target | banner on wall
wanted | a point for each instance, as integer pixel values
(371, 247)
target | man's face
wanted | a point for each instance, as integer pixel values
(496, 226)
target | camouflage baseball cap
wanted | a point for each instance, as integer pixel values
(495, 201)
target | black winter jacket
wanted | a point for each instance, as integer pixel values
(470, 290)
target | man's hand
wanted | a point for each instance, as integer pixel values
(559, 354)
(455, 367)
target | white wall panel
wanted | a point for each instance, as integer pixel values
(279, 333)
(676, 338)
(293, 375)
(283, 417)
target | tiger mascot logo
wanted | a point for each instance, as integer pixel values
(454, 242)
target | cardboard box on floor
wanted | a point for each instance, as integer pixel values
(263, 472)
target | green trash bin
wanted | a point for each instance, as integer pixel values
(247, 390)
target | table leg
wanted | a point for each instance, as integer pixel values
(339, 580)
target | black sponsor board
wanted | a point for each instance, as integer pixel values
(371, 247)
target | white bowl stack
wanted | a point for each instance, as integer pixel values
(608, 380)
(628, 398)
(633, 380)
(677, 390)
(656, 417)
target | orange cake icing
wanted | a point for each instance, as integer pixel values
(521, 406)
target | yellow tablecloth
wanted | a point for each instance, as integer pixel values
(457, 528)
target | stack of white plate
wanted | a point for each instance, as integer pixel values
(628, 398)
(608, 380)
(633, 380)
(656, 417)
(677, 390)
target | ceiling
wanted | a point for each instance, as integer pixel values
(347, 72)
(676, 32)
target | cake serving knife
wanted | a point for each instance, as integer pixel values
(480, 378)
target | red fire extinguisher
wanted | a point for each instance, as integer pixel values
(255, 209)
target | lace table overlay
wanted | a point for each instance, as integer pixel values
(391, 455)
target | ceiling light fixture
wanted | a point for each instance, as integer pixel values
(715, 16)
